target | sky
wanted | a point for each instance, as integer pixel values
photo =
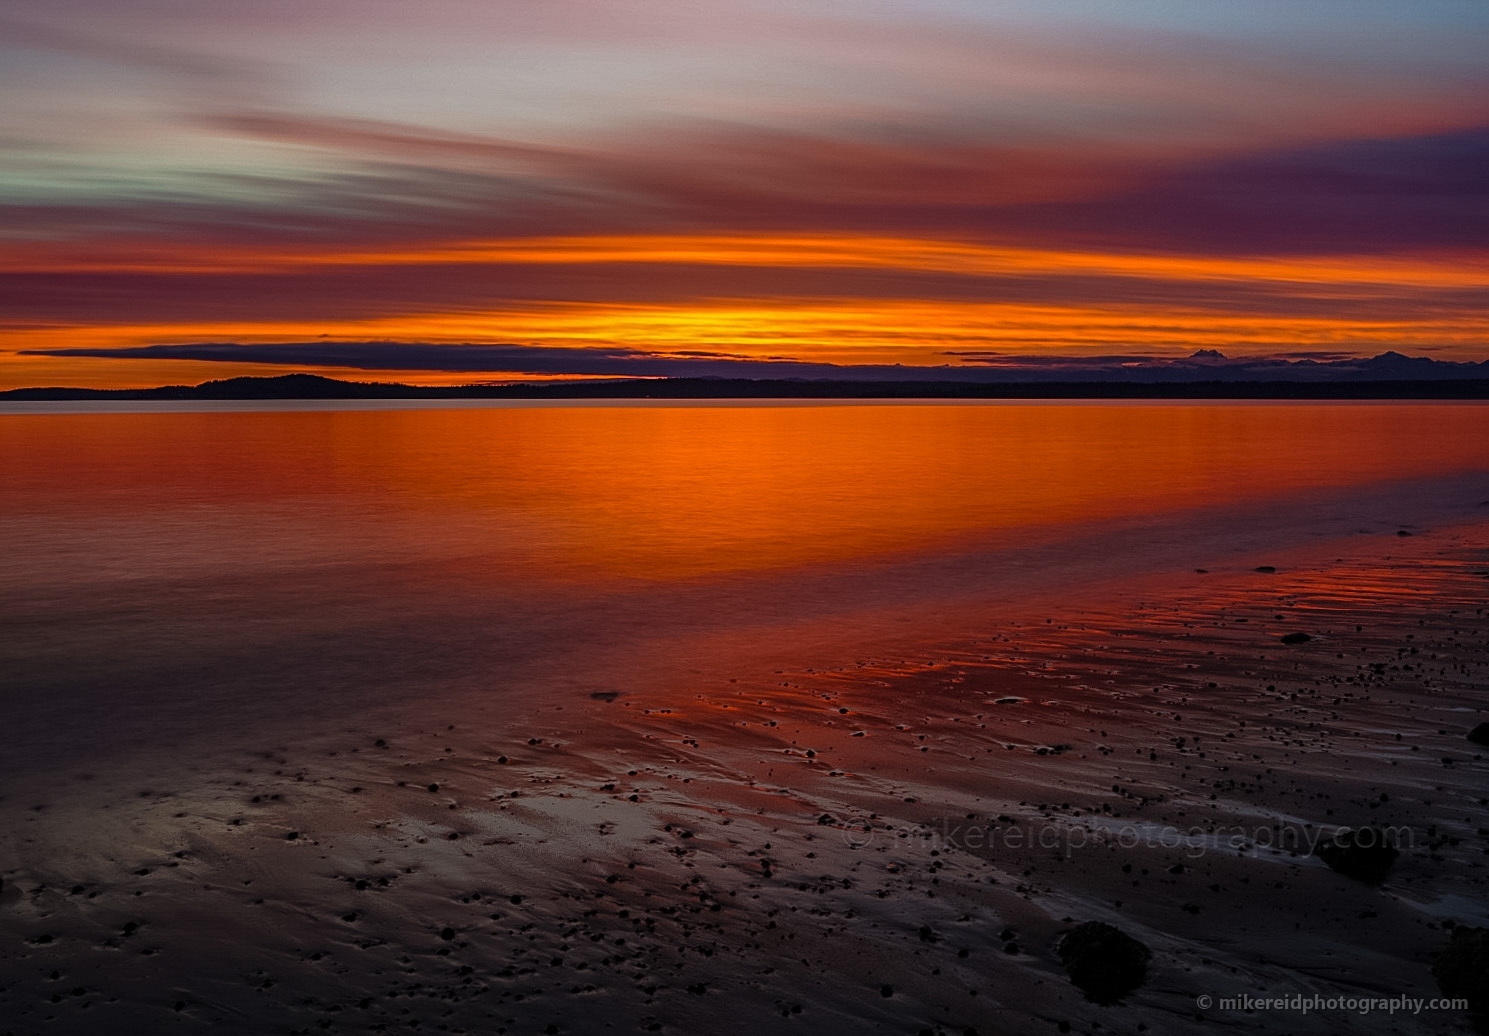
(612, 187)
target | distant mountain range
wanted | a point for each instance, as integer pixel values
(1205, 374)
(1213, 365)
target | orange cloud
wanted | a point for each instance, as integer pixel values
(918, 332)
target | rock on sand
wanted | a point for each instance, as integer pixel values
(1103, 961)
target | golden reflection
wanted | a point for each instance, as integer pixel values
(683, 492)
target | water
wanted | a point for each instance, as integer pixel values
(171, 575)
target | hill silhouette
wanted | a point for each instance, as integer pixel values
(314, 386)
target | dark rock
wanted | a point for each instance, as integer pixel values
(1295, 638)
(1104, 962)
(605, 696)
(1479, 735)
(1266, 568)
(1363, 854)
(1462, 970)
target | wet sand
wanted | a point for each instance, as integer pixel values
(889, 840)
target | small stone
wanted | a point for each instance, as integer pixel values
(1479, 735)
(1295, 638)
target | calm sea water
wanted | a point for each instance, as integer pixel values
(181, 578)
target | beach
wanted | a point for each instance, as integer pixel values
(866, 794)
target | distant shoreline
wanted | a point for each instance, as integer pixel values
(307, 386)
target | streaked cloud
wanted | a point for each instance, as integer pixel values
(762, 177)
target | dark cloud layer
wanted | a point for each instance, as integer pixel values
(327, 294)
(472, 359)
(621, 362)
(1364, 196)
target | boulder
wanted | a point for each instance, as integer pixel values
(1364, 854)
(1462, 970)
(1104, 962)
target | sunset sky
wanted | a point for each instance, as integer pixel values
(636, 185)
